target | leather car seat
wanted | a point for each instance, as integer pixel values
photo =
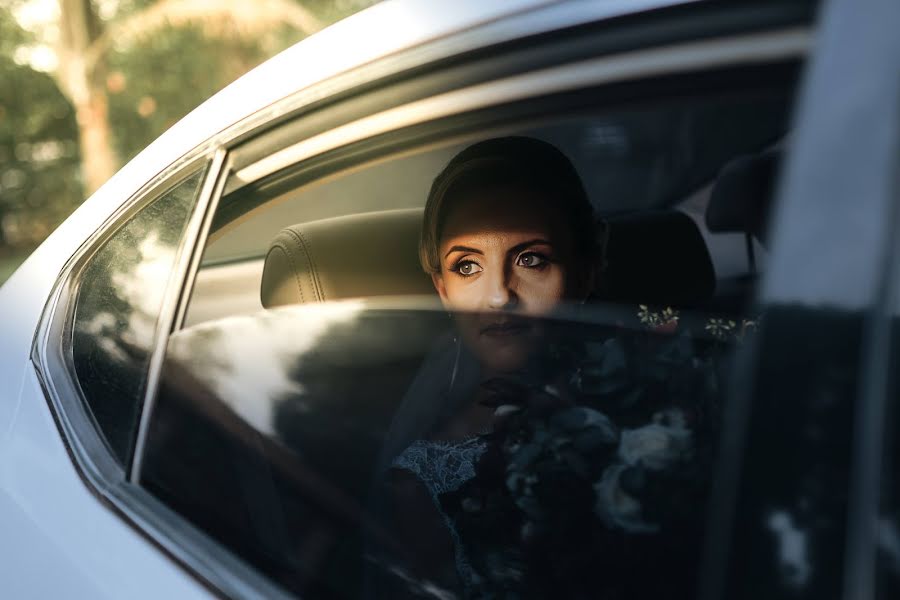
(741, 199)
(653, 257)
(657, 258)
(362, 255)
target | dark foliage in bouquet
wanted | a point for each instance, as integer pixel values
(595, 477)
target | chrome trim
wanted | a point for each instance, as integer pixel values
(666, 60)
(92, 458)
(173, 300)
(200, 247)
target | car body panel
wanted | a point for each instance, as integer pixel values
(59, 540)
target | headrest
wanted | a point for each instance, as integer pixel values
(657, 258)
(742, 194)
(370, 254)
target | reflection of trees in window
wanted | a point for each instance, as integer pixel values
(272, 432)
(120, 296)
(301, 363)
(266, 430)
(247, 361)
(304, 376)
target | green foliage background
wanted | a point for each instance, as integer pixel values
(39, 163)
(151, 83)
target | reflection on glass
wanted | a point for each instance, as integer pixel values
(887, 528)
(889, 544)
(119, 299)
(363, 450)
(253, 358)
(793, 548)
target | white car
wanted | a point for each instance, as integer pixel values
(203, 367)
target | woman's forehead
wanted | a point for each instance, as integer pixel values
(512, 211)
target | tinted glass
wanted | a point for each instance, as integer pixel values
(794, 424)
(635, 158)
(358, 450)
(120, 295)
(887, 529)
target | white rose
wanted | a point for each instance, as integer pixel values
(615, 506)
(655, 446)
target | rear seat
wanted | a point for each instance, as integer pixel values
(740, 202)
(325, 260)
(657, 258)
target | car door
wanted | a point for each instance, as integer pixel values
(60, 538)
(806, 507)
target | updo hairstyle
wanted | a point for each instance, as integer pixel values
(511, 162)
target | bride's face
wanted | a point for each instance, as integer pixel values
(504, 255)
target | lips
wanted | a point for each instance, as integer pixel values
(506, 328)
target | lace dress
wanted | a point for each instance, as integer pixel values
(443, 467)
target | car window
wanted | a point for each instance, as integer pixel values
(118, 303)
(887, 531)
(662, 155)
(303, 413)
(629, 158)
(314, 441)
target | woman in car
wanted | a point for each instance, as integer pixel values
(508, 234)
(508, 229)
(484, 500)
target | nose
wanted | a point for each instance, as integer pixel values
(500, 292)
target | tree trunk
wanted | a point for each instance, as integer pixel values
(82, 81)
(98, 160)
(83, 43)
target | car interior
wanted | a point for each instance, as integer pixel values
(681, 194)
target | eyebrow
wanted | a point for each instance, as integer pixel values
(462, 249)
(513, 250)
(534, 242)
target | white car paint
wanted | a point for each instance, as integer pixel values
(58, 541)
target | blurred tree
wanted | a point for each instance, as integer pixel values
(86, 43)
(126, 71)
(81, 80)
(39, 159)
(154, 81)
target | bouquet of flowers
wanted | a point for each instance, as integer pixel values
(594, 479)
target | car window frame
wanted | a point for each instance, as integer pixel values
(55, 368)
(119, 490)
(103, 476)
(400, 142)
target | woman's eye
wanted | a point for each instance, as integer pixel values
(467, 267)
(530, 259)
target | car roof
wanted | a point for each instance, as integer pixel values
(385, 29)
